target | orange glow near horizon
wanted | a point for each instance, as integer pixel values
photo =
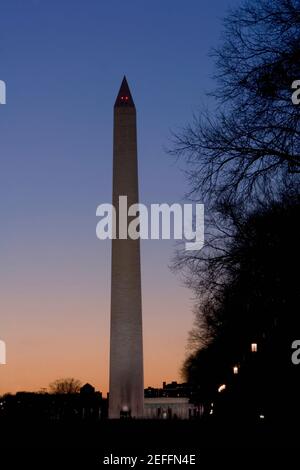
(61, 332)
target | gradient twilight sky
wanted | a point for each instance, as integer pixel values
(63, 62)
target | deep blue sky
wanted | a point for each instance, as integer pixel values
(63, 62)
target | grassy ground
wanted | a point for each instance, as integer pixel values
(90, 443)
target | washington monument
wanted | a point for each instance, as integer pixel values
(126, 382)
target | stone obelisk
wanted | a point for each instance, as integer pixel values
(126, 382)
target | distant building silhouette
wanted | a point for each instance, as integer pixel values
(88, 404)
(172, 401)
(173, 389)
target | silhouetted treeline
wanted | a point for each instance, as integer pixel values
(250, 140)
(243, 161)
(84, 405)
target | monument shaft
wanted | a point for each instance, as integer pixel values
(126, 387)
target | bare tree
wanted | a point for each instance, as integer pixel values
(257, 295)
(251, 142)
(65, 386)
